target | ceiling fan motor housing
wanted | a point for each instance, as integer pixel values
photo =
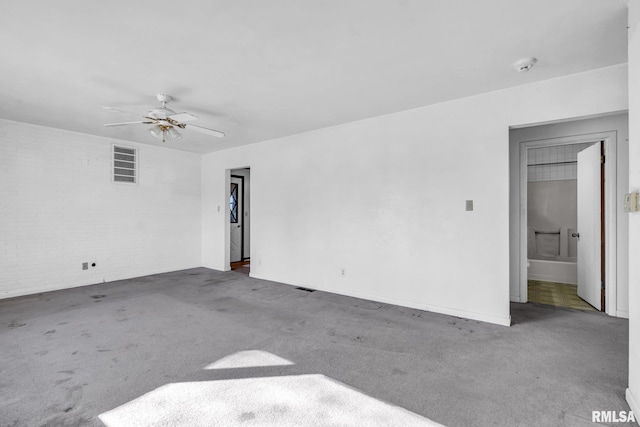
(160, 113)
(163, 97)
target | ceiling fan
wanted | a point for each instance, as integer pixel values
(165, 121)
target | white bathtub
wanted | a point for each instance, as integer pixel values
(561, 270)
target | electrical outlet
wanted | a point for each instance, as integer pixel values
(343, 271)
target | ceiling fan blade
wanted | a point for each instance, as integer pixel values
(113, 110)
(182, 117)
(127, 123)
(205, 130)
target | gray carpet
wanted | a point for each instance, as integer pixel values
(67, 357)
(283, 401)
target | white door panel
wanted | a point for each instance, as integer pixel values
(589, 223)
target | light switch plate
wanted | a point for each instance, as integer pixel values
(469, 205)
(631, 202)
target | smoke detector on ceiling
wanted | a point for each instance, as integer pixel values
(525, 64)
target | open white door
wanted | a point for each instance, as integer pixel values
(589, 225)
(236, 209)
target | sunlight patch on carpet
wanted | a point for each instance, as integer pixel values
(300, 400)
(249, 359)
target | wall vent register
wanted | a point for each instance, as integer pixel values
(125, 164)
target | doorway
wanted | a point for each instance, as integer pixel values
(564, 221)
(611, 128)
(615, 228)
(236, 208)
(239, 224)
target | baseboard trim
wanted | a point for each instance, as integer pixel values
(35, 291)
(516, 298)
(503, 321)
(41, 290)
(623, 314)
(217, 267)
(633, 404)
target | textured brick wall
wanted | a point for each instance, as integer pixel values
(59, 208)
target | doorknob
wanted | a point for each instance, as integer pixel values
(575, 235)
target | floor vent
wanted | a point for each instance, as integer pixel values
(306, 289)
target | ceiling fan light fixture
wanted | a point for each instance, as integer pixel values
(156, 131)
(172, 133)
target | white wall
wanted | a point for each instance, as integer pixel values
(552, 204)
(385, 198)
(633, 393)
(616, 122)
(59, 209)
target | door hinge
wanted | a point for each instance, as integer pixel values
(602, 284)
(602, 159)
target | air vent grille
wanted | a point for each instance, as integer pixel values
(125, 164)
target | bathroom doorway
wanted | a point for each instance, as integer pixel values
(566, 139)
(564, 199)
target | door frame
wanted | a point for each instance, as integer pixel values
(610, 209)
(227, 215)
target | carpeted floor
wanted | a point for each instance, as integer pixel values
(70, 356)
(295, 400)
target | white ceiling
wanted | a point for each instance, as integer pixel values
(259, 70)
